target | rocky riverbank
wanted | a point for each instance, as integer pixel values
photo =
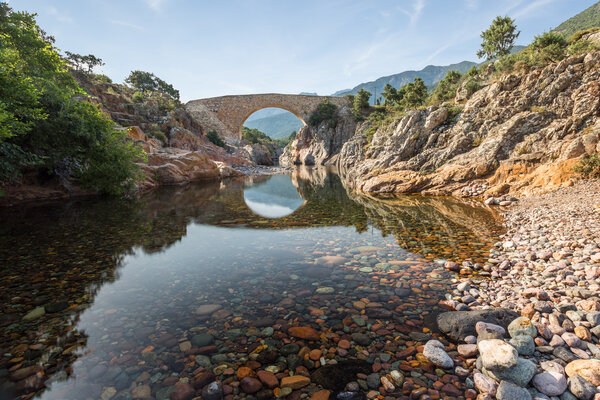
(546, 269)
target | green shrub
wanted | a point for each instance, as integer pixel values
(138, 97)
(472, 86)
(146, 81)
(101, 78)
(453, 112)
(472, 71)
(589, 166)
(215, 139)
(325, 111)
(158, 134)
(44, 122)
(446, 88)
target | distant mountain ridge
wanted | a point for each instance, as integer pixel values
(588, 18)
(431, 75)
(278, 125)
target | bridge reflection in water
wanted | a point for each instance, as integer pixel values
(275, 197)
(114, 276)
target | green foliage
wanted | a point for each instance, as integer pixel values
(472, 71)
(588, 18)
(589, 166)
(361, 103)
(215, 139)
(391, 95)
(101, 78)
(146, 81)
(545, 49)
(415, 94)
(548, 47)
(158, 134)
(579, 34)
(108, 167)
(376, 119)
(453, 112)
(14, 159)
(254, 136)
(446, 88)
(472, 86)
(45, 122)
(138, 97)
(325, 111)
(85, 64)
(499, 38)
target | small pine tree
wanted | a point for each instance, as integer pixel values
(499, 38)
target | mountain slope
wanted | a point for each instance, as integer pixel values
(588, 18)
(276, 126)
(431, 75)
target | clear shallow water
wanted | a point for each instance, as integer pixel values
(139, 296)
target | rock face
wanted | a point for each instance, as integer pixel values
(520, 134)
(457, 325)
(259, 154)
(320, 145)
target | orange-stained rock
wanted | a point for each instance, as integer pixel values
(320, 395)
(304, 332)
(315, 354)
(244, 372)
(136, 133)
(588, 369)
(295, 382)
(268, 379)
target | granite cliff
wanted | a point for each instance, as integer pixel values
(521, 133)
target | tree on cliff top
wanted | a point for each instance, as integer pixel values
(146, 81)
(43, 121)
(499, 38)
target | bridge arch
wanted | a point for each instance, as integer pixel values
(233, 111)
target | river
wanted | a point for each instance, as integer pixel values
(286, 275)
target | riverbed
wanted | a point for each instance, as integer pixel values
(284, 285)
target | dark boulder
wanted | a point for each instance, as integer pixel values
(457, 325)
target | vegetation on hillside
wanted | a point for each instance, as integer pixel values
(589, 167)
(325, 111)
(546, 48)
(588, 18)
(499, 38)
(277, 126)
(45, 120)
(254, 136)
(215, 139)
(148, 82)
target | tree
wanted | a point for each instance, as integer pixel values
(499, 38)
(83, 63)
(446, 88)
(43, 120)
(325, 111)
(390, 94)
(361, 102)
(415, 93)
(148, 82)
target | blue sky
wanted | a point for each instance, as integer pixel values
(218, 47)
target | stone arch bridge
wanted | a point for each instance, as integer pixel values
(233, 111)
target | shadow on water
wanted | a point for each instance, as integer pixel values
(96, 293)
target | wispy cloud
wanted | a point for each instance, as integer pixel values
(156, 5)
(415, 13)
(126, 24)
(526, 11)
(59, 16)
